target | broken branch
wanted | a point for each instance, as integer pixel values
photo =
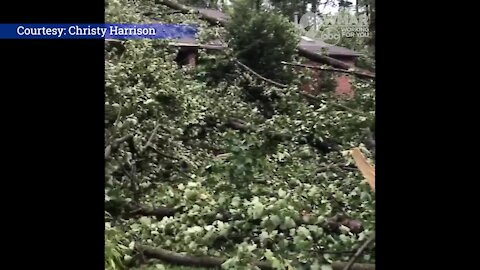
(258, 75)
(359, 252)
(158, 212)
(163, 154)
(154, 132)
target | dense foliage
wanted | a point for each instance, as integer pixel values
(239, 161)
(262, 39)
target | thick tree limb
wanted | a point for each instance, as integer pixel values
(327, 60)
(188, 260)
(163, 154)
(187, 9)
(158, 212)
(216, 262)
(359, 252)
(240, 125)
(115, 43)
(356, 266)
(360, 74)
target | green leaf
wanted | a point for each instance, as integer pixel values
(256, 209)
(276, 263)
(275, 220)
(145, 221)
(235, 201)
(288, 223)
(304, 232)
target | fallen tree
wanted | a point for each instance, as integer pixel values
(216, 262)
(187, 9)
(242, 193)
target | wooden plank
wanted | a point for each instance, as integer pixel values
(367, 170)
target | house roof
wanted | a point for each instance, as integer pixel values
(312, 45)
(316, 46)
(191, 42)
(214, 13)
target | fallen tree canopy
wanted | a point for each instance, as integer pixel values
(200, 168)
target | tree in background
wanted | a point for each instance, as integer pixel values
(262, 39)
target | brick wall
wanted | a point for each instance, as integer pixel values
(312, 86)
(344, 87)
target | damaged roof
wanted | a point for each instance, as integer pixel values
(213, 13)
(312, 45)
(315, 46)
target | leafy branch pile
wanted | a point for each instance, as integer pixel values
(237, 169)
